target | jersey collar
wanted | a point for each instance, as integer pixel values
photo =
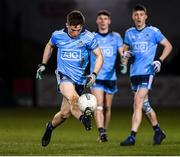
(66, 31)
(104, 34)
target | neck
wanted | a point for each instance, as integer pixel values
(103, 31)
(140, 27)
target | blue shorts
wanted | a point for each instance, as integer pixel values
(141, 81)
(63, 78)
(108, 86)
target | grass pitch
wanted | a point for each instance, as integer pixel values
(21, 130)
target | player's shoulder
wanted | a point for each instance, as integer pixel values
(88, 34)
(58, 32)
(153, 28)
(130, 29)
(116, 34)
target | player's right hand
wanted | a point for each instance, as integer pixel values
(40, 70)
(90, 80)
(123, 68)
(157, 65)
(126, 54)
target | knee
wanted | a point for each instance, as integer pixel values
(138, 102)
(107, 108)
(146, 107)
(73, 100)
(65, 114)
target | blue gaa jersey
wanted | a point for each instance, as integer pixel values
(73, 53)
(143, 44)
(109, 45)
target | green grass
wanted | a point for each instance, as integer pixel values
(21, 130)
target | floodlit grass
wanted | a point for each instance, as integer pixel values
(21, 130)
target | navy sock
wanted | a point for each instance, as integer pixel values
(50, 126)
(101, 130)
(156, 128)
(133, 134)
(81, 118)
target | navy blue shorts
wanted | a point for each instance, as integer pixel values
(108, 86)
(63, 78)
(141, 81)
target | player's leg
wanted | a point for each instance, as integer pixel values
(99, 115)
(107, 110)
(68, 89)
(139, 97)
(110, 88)
(159, 135)
(58, 119)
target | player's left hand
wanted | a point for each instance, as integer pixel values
(126, 54)
(40, 70)
(123, 68)
(157, 65)
(90, 80)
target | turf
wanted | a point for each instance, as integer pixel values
(21, 130)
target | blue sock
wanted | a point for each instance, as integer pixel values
(50, 126)
(133, 134)
(156, 128)
(101, 130)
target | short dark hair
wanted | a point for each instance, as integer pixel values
(104, 12)
(75, 18)
(140, 7)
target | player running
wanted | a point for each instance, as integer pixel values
(105, 85)
(142, 41)
(74, 45)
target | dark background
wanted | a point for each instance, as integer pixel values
(26, 26)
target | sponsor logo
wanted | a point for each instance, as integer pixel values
(140, 46)
(73, 55)
(107, 51)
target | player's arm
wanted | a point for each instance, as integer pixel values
(125, 55)
(46, 56)
(99, 60)
(98, 64)
(166, 51)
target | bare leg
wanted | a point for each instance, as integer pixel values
(107, 112)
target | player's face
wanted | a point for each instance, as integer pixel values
(103, 22)
(74, 31)
(139, 17)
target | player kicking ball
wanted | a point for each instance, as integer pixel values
(74, 44)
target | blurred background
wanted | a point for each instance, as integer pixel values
(26, 26)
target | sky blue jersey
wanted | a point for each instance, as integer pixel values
(143, 44)
(109, 45)
(73, 53)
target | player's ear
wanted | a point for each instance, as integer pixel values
(109, 21)
(66, 25)
(146, 16)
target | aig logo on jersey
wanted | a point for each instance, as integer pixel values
(140, 46)
(73, 55)
(107, 51)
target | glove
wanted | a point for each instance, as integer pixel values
(123, 68)
(90, 80)
(40, 70)
(157, 65)
(126, 54)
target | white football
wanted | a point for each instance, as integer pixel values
(87, 100)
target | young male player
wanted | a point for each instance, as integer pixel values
(105, 85)
(74, 45)
(142, 41)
